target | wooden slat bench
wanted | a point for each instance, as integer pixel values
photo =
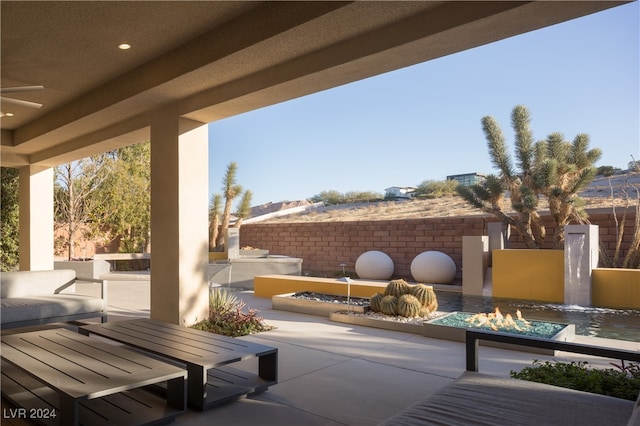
(60, 377)
(206, 355)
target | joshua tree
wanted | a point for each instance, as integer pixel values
(565, 168)
(218, 223)
(231, 190)
(490, 196)
(214, 220)
(553, 168)
(244, 209)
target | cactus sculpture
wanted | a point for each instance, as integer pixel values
(401, 298)
(389, 305)
(408, 306)
(374, 302)
(397, 288)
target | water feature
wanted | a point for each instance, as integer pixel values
(240, 271)
(621, 324)
(574, 250)
(580, 257)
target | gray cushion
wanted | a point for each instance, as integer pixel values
(28, 283)
(36, 307)
(479, 399)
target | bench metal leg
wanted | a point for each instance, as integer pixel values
(472, 353)
(69, 411)
(197, 386)
(268, 367)
(177, 393)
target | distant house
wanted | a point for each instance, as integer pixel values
(468, 179)
(399, 192)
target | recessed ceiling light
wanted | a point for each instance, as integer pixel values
(8, 114)
(124, 46)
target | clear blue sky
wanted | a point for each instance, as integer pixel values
(423, 122)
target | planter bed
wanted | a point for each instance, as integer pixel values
(438, 327)
(405, 325)
(307, 304)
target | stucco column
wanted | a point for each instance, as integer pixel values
(179, 222)
(36, 218)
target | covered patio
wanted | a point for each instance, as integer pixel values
(334, 373)
(189, 64)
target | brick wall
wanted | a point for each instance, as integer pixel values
(323, 246)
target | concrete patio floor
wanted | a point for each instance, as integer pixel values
(338, 374)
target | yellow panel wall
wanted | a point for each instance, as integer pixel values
(218, 255)
(529, 274)
(615, 288)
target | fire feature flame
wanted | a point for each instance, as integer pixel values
(496, 321)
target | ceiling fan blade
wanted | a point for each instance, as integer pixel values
(20, 102)
(20, 89)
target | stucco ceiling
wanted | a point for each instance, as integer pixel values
(207, 60)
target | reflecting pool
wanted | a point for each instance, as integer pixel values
(621, 324)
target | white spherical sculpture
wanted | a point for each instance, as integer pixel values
(433, 267)
(374, 265)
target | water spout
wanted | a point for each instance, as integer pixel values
(574, 246)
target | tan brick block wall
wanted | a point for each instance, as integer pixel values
(324, 246)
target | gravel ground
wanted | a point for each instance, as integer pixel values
(357, 301)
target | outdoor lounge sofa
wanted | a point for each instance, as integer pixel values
(30, 298)
(481, 399)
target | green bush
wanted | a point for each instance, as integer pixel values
(606, 171)
(227, 316)
(9, 219)
(333, 197)
(620, 382)
(436, 189)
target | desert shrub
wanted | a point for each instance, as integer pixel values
(227, 316)
(607, 171)
(436, 189)
(620, 382)
(333, 197)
